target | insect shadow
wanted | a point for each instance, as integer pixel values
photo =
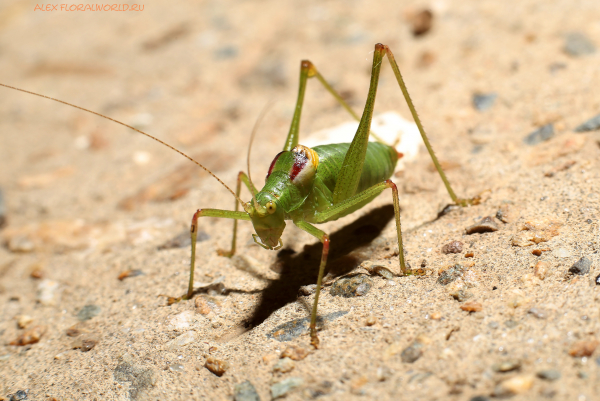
(299, 269)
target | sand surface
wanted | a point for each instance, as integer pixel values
(87, 201)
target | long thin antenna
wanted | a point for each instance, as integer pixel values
(254, 130)
(130, 127)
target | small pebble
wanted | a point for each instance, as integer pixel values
(383, 272)
(548, 374)
(309, 289)
(74, 331)
(176, 368)
(130, 273)
(581, 267)
(412, 353)
(284, 365)
(435, 315)
(245, 391)
(285, 386)
(590, 125)
(598, 279)
(88, 312)
(46, 291)
(138, 377)
(537, 252)
(452, 247)
(583, 348)
(511, 324)
(540, 135)
(371, 320)
(507, 214)
(295, 352)
(23, 321)
(582, 375)
(216, 366)
(37, 273)
(30, 336)
(577, 44)
(182, 320)
(348, 287)
(461, 295)
(484, 101)
(486, 225)
(450, 275)
(480, 398)
(383, 373)
(541, 269)
(18, 396)
(85, 343)
(507, 366)
(180, 341)
(421, 22)
(514, 385)
(538, 313)
(357, 384)
(20, 244)
(202, 306)
(561, 253)
(472, 306)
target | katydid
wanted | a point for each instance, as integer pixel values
(313, 186)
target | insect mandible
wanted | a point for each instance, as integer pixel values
(313, 186)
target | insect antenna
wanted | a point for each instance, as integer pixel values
(252, 135)
(130, 127)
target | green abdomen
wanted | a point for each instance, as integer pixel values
(380, 162)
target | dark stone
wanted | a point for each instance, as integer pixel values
(507, 366)
(450, 275)
(140, 379)
(577, 44)
(88, 312)
(598, 279)
(480, 398)
(484, 101)
(549, 374)
(590, 125)
(540, 135)
(581, 267)
(18, 396)
(452, 247)
(411, 353)
(245, 391)
(292, 329)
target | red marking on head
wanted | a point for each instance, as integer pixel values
(273, 163)
(400, 155)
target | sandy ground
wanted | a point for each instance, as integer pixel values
(87, 201)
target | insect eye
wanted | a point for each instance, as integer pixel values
(271, 207)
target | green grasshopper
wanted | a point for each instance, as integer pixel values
(313, 186)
